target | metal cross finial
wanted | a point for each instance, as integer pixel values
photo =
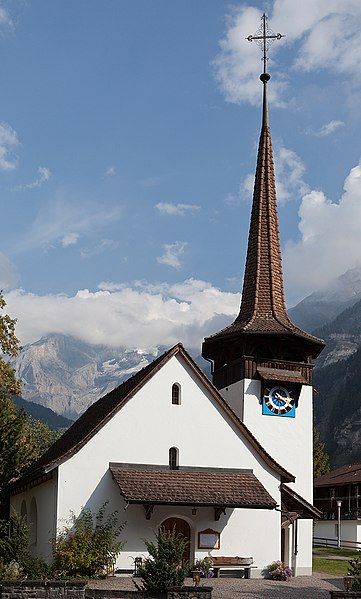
(264, 37)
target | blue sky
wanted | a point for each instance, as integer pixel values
(127, 148)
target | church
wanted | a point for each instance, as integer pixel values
(229, 463)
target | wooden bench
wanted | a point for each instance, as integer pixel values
(232, 563)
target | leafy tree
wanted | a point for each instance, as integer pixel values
(22, 439)
(354, 570)
(9, 346)
(321, 459)
(15, 558)
(165, 568)
(88, 545)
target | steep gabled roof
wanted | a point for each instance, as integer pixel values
(263, 309)
(99, 413)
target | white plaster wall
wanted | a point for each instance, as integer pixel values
(350, 530)
(142, 432)
(289, 441)
(45, 496)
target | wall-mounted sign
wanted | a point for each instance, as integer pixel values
(208, 539)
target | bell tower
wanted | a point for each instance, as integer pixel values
(262, 362)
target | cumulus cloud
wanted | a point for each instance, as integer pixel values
(44, 175)
(326, 129)
(9, 141)
(111, 171)
(289, 169)
(325, 34)
(329, 237)
(69, 239)
(137, 316)
(172, 253)
(177, 209)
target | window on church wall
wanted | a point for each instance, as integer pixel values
(174, 458)
(33, 523)
(176, 394)
(23, 510)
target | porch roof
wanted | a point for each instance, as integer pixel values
(214, 487)
(293, 503)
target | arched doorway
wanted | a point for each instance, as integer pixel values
(181, 527)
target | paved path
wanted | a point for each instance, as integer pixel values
(303, 587)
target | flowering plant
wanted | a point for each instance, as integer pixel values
(278, 571)
(205, 566)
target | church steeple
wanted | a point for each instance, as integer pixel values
(263, 313)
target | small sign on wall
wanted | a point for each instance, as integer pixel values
(208, 539)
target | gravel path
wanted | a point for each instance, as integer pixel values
(304, 587)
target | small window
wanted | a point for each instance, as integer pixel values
(176, 395)
(33, 524)
(23, 510)
(174, 458)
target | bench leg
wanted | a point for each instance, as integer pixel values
(216, 572)
(247, 573)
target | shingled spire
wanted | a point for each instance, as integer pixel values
(263, 311)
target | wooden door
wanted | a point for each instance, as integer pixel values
(181, 527)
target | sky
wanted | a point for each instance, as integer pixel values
(128, 139)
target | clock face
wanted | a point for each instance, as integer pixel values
(279, 401)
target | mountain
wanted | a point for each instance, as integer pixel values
(67, 375)
(323, 306)
(38, 412)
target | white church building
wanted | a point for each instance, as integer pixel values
(229, 463)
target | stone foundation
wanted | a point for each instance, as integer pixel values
(42, 589)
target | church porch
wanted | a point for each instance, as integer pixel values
(222, 512)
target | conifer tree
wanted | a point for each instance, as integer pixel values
(321, 459)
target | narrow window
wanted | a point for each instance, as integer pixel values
(33, 524)
(23, 510)
(176, 399)
(174, 458)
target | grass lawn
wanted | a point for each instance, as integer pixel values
(329, 566)
(350, 553)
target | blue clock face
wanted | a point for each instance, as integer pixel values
(278, 402)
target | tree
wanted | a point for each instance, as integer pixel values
(9, 346)
(22, 439)
(321, 459)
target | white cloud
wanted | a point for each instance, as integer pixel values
(138, 315)
(325, 35)
(105, 245)
(69, 239)
(5, 18)
(172, 253)
(56, 220)
(8, 275)
(289, 171)
(326, 129)
(111, 171)
(177, 209)
(44, 176)
(9, 141)
(330, 238)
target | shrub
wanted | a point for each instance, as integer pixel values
(278, 571)
(165, 566)
(15, 558)
(88, 545)
(354, 569)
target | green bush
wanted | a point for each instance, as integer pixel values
(88, 545)
(165, 568)
(354, 569)
(15, 558)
